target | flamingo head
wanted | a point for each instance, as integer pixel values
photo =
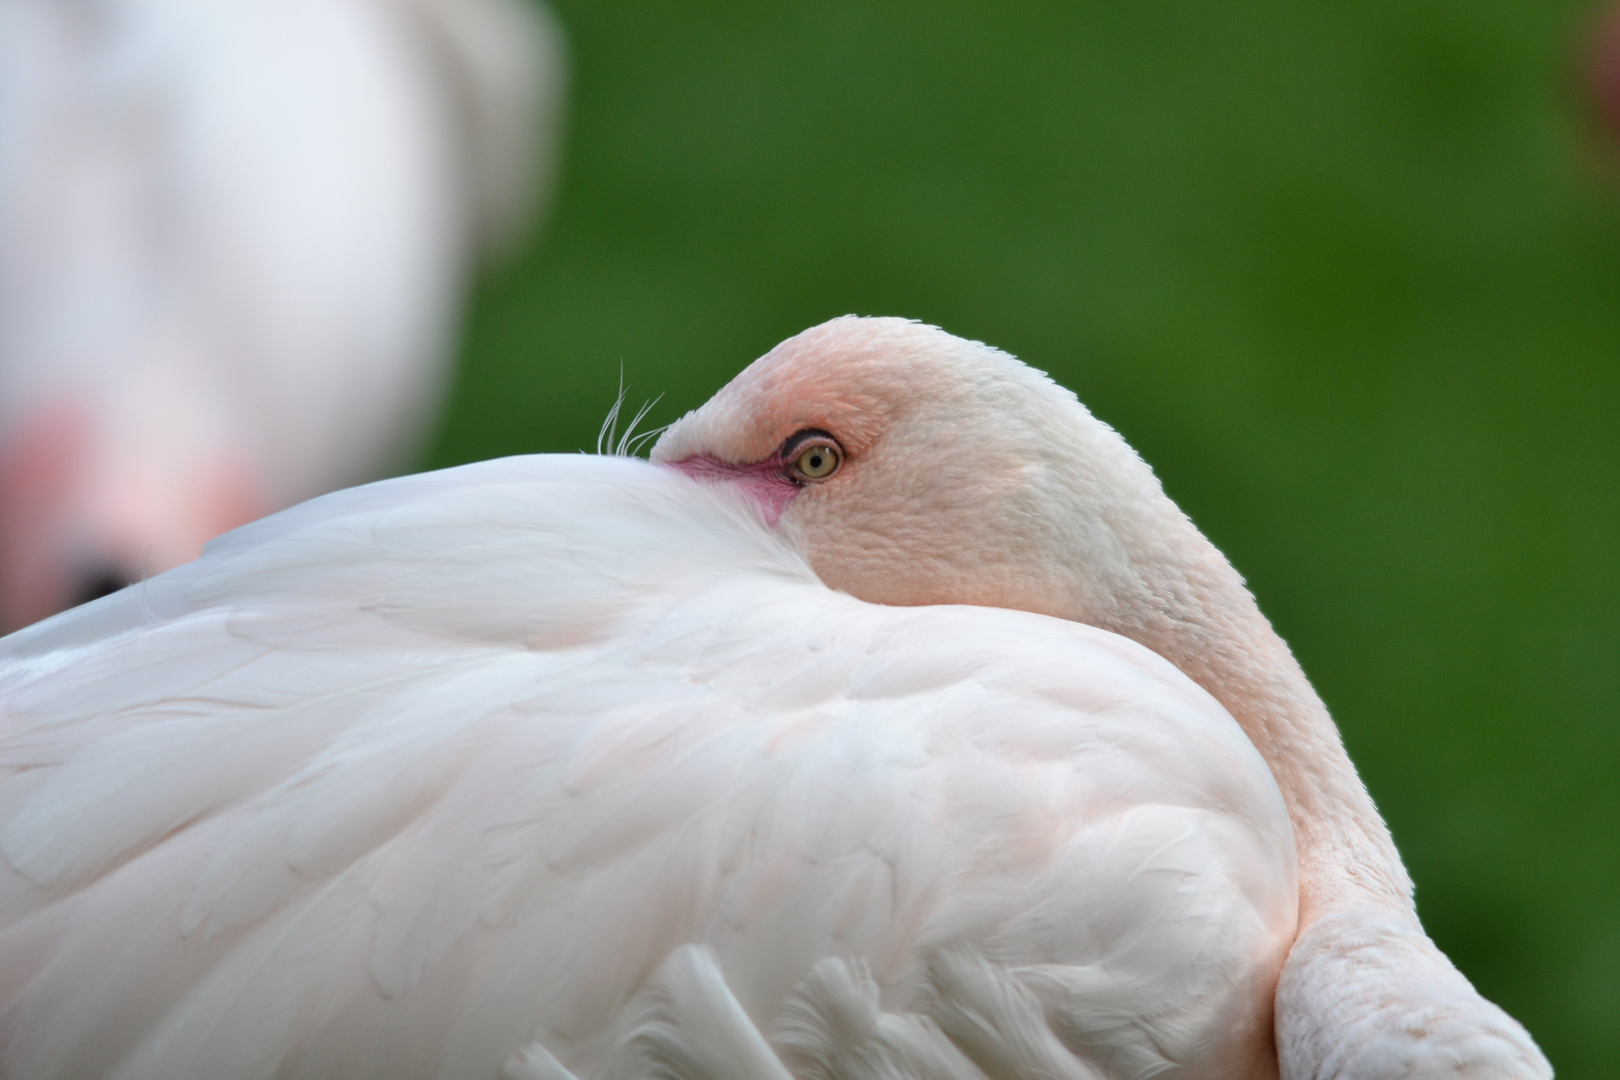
(916, 467)
(85, 511)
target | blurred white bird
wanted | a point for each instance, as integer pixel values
(233, 239)
(839, 762)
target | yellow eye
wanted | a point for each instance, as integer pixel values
(817, 461)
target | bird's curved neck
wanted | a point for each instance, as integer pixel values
(1195, 611)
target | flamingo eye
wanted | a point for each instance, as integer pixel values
(817, 461)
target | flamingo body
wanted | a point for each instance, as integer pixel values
(409, 778)
(895, 724)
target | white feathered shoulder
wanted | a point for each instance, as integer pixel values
(569, 764)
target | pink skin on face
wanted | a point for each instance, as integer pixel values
(38, 466)
(76, 510)
(764, 482)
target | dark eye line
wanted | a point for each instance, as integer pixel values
(790, 447)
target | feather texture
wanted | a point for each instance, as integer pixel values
(566, 765)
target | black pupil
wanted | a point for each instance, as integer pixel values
(815, 460)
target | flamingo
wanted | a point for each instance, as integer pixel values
(891, 722)
(233, 234)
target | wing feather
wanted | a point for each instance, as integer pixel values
(411, 778)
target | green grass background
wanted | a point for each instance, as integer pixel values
(1347, 274)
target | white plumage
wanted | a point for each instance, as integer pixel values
(405, 779)
(233, 239)
(577, 767)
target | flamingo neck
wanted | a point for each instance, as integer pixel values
(1196, 612)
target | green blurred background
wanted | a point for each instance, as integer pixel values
(1348, 275)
